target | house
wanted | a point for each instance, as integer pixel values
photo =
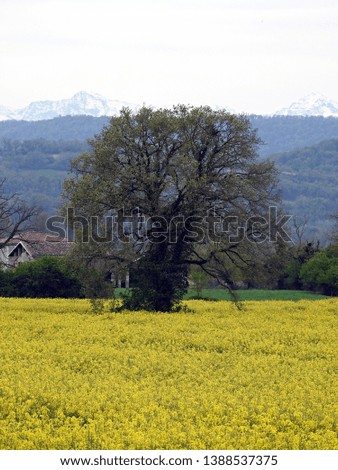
(28, 246)
(31, 245)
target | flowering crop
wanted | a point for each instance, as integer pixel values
(263, 377)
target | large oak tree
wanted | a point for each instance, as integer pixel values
(181, 185)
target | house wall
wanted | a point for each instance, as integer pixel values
(23, 258)
(12, 261)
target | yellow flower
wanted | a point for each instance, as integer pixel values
(217, 378)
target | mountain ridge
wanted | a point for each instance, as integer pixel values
(84, 103)
(313, 104)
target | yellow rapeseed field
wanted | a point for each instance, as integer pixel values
(264, 377)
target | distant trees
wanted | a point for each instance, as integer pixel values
(299, 257)
(63, 128)
(285, 133)
(280, 133)
(309, 182)
(39, 153)
(178, 183)
(320, 273)
(37, 167)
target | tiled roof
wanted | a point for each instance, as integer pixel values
(30, 236)
(44, 248)
(41, 244)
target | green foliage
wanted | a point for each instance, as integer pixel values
(268, 268)
(292, 278)
(97, 305)
(36, 168)
(179, 167)
(4, 283)
(159, 285)
(95, 285)
(93, 273)
(46, 277)
(321, 272)
(299, 256)
(200, 280)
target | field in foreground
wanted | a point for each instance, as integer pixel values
(264, 377)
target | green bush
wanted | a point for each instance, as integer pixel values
(157, 287)
(46, 277)
(321, 272)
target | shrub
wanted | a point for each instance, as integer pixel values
(157, 287)
(45, 277)
(321, 272)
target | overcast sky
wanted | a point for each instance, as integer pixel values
(248, 55)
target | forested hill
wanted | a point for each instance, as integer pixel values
(309, 182)
(35, 156)
(36, 168)
(284, 133)
(279, 133)
(79, 128)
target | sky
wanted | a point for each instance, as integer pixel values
(246, 55)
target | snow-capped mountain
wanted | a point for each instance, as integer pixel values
(91, 104)
(6, 113)
(313, 104)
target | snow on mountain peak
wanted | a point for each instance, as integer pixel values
(82, 103)
(93, 104)
(313, 104)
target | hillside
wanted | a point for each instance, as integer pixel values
(279, 133)
(309, 183)
(284, 133)
(60, 128)
(35, 156)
